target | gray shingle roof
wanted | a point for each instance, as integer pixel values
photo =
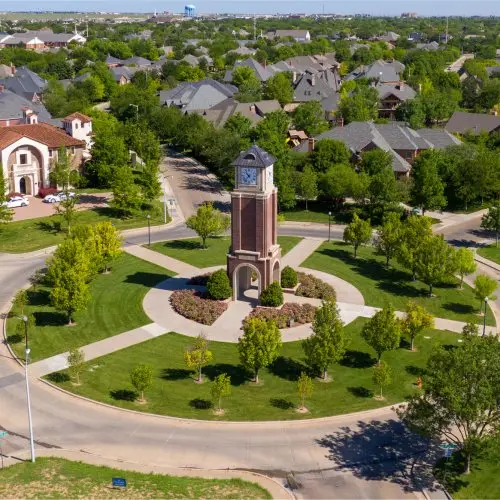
(462, 122)
(316, 87)
(254, 157)
(262, 74)
(402, 91)
(25, 83)
(385, 71)
(12, 106)
(438, 137)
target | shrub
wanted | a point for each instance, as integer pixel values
(192, 305)
(43, 192)
(300, 313)
(288, 277)
(314, 288)
(272, 296)
(218, 285)
(200, 280)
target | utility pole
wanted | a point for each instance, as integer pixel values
(446, 36)
(254, 28)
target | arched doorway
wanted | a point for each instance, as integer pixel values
(276, 271)
(25, 185)
(246, 283)
(22, 185)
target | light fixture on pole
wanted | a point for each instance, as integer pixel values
(484, 319)
(149, 230)
(28, 400)
(164, 199)
(329, 225)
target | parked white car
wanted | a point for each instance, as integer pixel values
(57, 197)
(16, 201)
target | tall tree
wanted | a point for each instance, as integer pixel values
(259, 345)
(357, 233)
(389, 236)
(484, 288)
(327, 344)
(460, 398)
(339, 182)
(142, 379)
(307, 184)
(109, 242)
(382, 332)
(310, 117)
(5, 213)
(465, 263)
(375, 161)
(126, 194)
(416, 320)
(329, 152)
(279, 87)
(208, 222)
(381, 376)
(490, 220)
(198, 355)
(360, 106)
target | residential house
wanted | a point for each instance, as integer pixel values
(493, 71)
(389, 37)
(28, 151)
(41, 39)
(323, 87)
(259, 70)
(391, 96)
(143, 35)
(6, 71)
(122, 74)
(462, 122)
(296, 138)
(195, 61)
(243, 51)
(25, 83)
(382, 71)
(430, 47)
(17, 110)
(415, 36)
(297, 35)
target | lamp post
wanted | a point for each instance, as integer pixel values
(30, 421)
(164, 199)
(149, 230)
(329, 225)
(484, 319)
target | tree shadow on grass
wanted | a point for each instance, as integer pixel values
(449, 472)
(52, 226)
(404, 344)
(15, 338)
(58, 377)
(146, 279)
(237, 373)
(416, 371)
(282, 404)
(360, 392)
(50, 318)
(459, 308)
(201, 404)
(124, 395)
(357, 359)
(176, 374)
(183, 245)
(287, 368)
(39, 297)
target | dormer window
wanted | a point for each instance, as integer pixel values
(76, 125)
(249, 156)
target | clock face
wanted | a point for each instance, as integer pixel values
(269, 176)
(248, 176)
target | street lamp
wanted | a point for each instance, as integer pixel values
(149, 230)
(329, 224)
(484, 319)
(27, 352)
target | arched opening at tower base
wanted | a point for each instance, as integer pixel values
(246, 283)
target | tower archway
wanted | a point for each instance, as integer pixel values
(246, 278)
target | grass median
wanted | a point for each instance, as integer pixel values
(490, 252)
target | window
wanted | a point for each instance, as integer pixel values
(72, 150)
(76, 125)
(23, 159)
(51, 153)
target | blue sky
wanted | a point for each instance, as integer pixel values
(375, 7)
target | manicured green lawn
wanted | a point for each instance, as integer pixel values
(318, 212)
(116, 307)
(33, 234)
(175, 393)
(491, 252)
(191, 252)
(380, 286)
(60, 478)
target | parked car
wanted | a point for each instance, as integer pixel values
(16, 201)
(57, 197)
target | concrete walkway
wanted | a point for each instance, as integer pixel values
(301, 251)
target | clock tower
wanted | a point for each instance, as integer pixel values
(254, 258)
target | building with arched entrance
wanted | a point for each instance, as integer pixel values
(254, 257)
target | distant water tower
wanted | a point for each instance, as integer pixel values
(189, 10)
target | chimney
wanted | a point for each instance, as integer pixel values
(401, 85)
(313, 80)
(340, 122)
(12, 69)
(294, 76)
(252, 108)
(311, 143)
(2, 87)
(265, 63)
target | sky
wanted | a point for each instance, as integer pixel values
(373, 7)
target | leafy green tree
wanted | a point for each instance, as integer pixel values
(329, 152)
(490, 94)
(382, 190)
(67, 209)
(435, 261)
(412, 112)
(242, 75)
(307, 184)
(490, 220)
(460, 396)
(382, 376)
(239, 124)
(279, 87)
(470, 329)
(427, 190)
(465, 264)
(109, 242)
(415, 230)
(375, 161)
(150, 183)
(198, 355)
(142, 379)
(357, 233)
(382, 332)
(76, 363)
(310, 117)
(415, 321)
(259, 345)
(328, 343)
(360, 106)
(208, 222)
(21, 300)
(338, 182)
(248, 85)
(305, 389)
(5, 213)
(484, 287)
(220, 388)
(126, 194)
(389, 236)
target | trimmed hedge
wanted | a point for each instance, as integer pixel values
(288, 277)
(300, 313)
(191, 305)
(218, 285)
(314, 288)
(272, 296)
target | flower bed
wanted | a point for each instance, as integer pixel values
(192, 305)
(299, 313)
(200, 279)
(314, 288)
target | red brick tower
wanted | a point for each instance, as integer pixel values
(254, 252)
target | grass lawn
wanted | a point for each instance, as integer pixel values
(116, 307)
(191, 252)
(490, 252)
(33, 234)
(380, 286)
(52, 477)
(318, 212)
(175, 393)
(482, 482)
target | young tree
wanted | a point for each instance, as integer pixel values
(357, 233)
(76, 363)
(126, 194)
(304, 388)
(221, 387)
(435, 261)
(389, 236)
(382, 332)
(416, 320)
(308, 184)
(464, 261)
(484, 287)
(61, 170)
(21, 300)
(67, 209)
(109, 242)
(382, 376)
(460, 398)
(150, 183)
(470, 329)
(310, 117)
(208, 222)
(198, 355)
(5, 213)
(142, 379)
(328, 343)
(490, 220)
(259, 345)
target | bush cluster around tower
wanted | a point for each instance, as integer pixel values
(272, 296)
(219, 286)
(288, 277)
